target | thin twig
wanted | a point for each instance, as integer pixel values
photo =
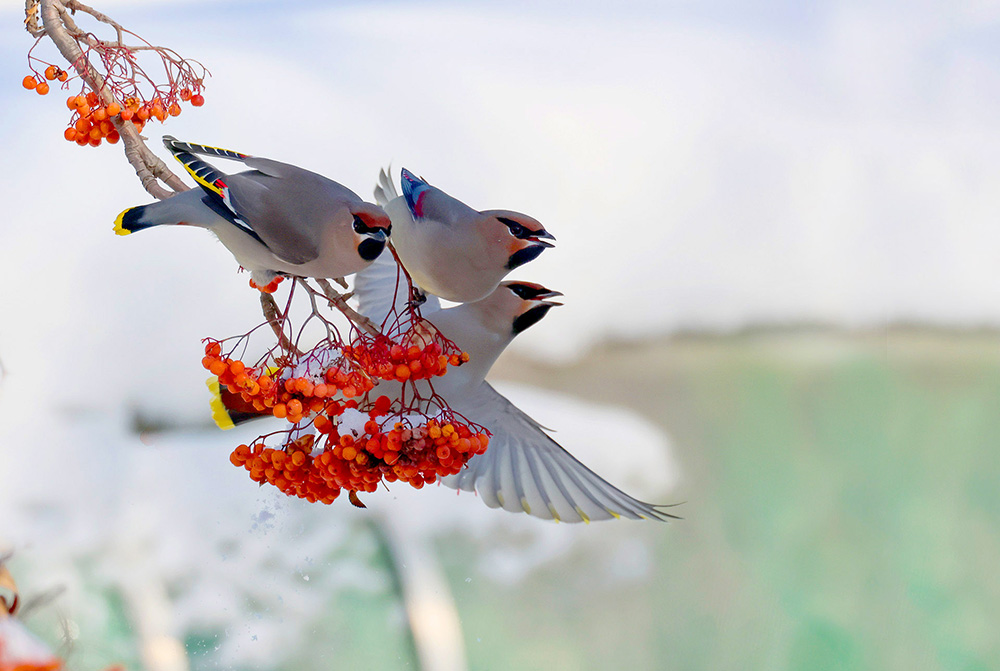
(275, 319)
(337, 300)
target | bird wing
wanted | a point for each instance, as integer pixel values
(281, 205)
(524, 470)
(211, 180)
(385, 190)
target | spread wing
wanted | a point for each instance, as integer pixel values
(524, 470)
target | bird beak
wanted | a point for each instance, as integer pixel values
(544, 235)
(548, 294)
(531, 291)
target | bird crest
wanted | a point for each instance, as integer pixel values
(414, 190)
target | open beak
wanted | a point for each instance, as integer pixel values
(541, 236)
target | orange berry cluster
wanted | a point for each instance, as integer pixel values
(417, 456)
(39, 85)
(293, 398)
(92, 122)
(387, 360)
(318, 467)
(270, 287)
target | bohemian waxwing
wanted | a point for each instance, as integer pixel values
(274, 218)
(449, 249)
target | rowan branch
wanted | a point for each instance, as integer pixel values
(275, 320)
(59, 26)
(339, 301)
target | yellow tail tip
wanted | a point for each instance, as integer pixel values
(219, 413)
(118, 223)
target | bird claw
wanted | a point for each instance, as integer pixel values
(417, 298)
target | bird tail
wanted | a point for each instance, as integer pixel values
(229, 409)
(131, 220)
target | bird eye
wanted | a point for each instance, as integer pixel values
(516, 229)
(359, 225)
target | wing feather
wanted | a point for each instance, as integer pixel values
(523, 469)
(283, 206)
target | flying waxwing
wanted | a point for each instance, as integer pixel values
(274, 218)
(451, 250)
(523, 469)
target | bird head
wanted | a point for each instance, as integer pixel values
(371, 230)
(523, 237)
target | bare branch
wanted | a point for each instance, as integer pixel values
(275, 319)
(339, 301)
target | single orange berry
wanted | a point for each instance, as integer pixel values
(70, 134)
(95, 133)
(71, 102)
(185, 94)
(79, 101)
(100, 114)
(82, 125)
(92, 98)
(114, 109)
(95, 143)
(51, 72)
(113, 137)
(42, 88)
(197, 100)
(106, 127)
(62, 76)
(29, 82)
(174, 109)
(127, 114)
(142, 114)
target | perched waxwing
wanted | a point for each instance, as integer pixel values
(274, 217)
(449, 249)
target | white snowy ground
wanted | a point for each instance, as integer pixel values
(191, 544)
